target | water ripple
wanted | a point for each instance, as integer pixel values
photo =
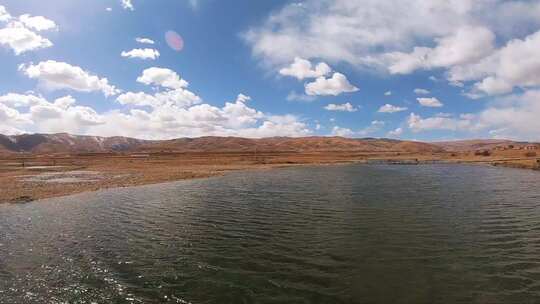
(343, 234)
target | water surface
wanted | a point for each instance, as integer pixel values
(331, 234)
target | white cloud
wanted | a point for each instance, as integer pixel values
(4, 15)
(418, 124)
(516, 117)
(21, 100)
(513, 117)
(395, 133)
(343, 132)
(56, 75)
(421, 91)
(171, 111)
(139, 99)
(468, 44)
(29, 113)
(388, 93)
(233, 119)
(353, 31)
(20, 39)
(334, 86)
(20, 34)
(293, 96)
(180, 98)
(38, 23)
(346, 107)
(388, 108)
(108, 9)
(357, 31)
(144, 40)
(430, 102)
(127, 5)
(514, 65)
(486, 47)
(162, 77)
(141, 54)
(242, 98)
(375, 126)
(302, 68)
(32, 113)
(8, 114)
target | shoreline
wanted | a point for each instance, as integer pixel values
(50, 177)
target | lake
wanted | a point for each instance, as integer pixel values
(327, 234)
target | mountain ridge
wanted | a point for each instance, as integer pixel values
(68, 143)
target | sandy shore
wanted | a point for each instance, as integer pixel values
(28, 178)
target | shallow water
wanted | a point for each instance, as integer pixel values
(331, 234)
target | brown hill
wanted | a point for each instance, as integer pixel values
(287, 144)
(66, 143)
(478, 144)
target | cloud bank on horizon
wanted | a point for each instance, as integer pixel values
(404, 69)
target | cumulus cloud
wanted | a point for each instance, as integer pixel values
(430, 102)
(464, 46)
(357, 31)
(336, 85)
(20, 39)
(242, 98)
(487, 48)
(162, 77)
(514, 65)
(33, 113)
(38, 23)
(388, 108)
(302, 68)
(141, 54)
(343, 132)
(173, 111)
(21, 100)
(395, 133)
(345, 107)
(127, 5)
(388, 93)
(30, 113)
(56, 75)
(516, 117)
(511, 117)
(20, 34)
(418, 124)
(171, 121)
(174, 95)
(4, 15)
(144, 40)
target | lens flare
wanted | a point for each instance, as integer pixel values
(174, 40)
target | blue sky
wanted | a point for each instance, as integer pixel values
(415, 70)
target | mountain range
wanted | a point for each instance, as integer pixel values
(67, 143)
